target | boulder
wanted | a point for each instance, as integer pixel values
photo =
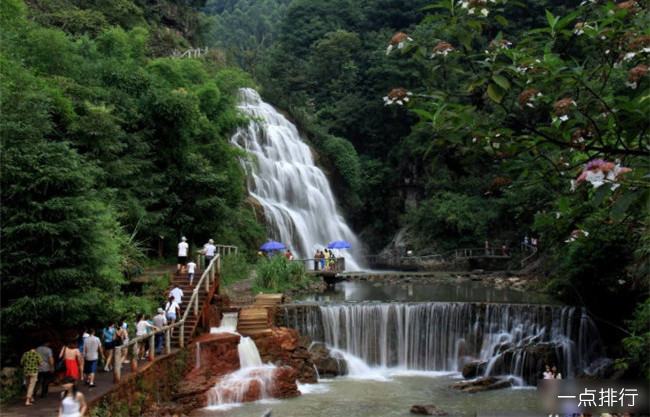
(283, 346)
(327, 365)
(427, 410)
(474, 369)
(482, 384)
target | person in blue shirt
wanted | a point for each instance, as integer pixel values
(109, 345)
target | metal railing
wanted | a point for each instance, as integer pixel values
(322, 264)
(190, 53)
(207, 279)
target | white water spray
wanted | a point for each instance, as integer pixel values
(298, 202)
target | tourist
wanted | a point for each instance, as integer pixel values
(327, 255)
(526, 240)
(177, 293)
(504, 250)
(209, 250)
(73, 403)
(46, 368)
(533, 243)
(160, 321)
(556, 374)
(124, 335)
(141, 328)
(91, 353)
(84, 335)
(191, 266)
(30, 362)
(547, 373)
(172, 311)
(109, 345)
(322, 260)
(73, 360)
(183, 248)
(487, 247)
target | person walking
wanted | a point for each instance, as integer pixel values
(191, 267)
(208, 251)
(109, 345)
(160, 321)
(72, 358)
(46, 368)
(73, 403)
(183, 248)
(91, 353)
(141, 328)
(172, 311)
(30, 362)
(177, 293)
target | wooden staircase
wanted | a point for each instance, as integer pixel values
(255, 318)
(182, 281)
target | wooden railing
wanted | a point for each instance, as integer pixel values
(207, 280)
(222, 250)
(462, 253)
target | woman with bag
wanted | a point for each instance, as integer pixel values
(72, 359)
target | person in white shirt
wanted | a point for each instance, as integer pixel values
(177, 293)
(183, 247)
(172, 310)
(209, 250)
(191, 266)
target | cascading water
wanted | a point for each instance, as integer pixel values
(507, 339)
(253, 375)
(298, 202)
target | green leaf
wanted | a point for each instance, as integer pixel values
(495, 92)
(502, 81)
(501, 20)
(621, 205)
(552, 20)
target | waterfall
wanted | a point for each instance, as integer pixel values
(228, 324)
(507, 339)
(252, 377)
(298, 202)
(197, 354)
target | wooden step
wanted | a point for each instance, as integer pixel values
(268, 299)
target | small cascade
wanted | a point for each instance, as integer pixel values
(228, 324)
(197, 354)
(505, 339)
(252, 377)
(249, 356)
(298, 201)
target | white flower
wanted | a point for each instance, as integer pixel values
(631, 85)
(564, 118)
(470, 11)
(485, 12)
(629, 56)
(464, 4)
(595, 178)
(558, 214)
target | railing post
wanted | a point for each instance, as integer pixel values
(152, 346)
(134, 356)
(168, 341)
(181, 336)
(196, 301)
(117, 364)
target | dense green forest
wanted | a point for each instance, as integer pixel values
(498, 119)
(459, 121)
(108, 146)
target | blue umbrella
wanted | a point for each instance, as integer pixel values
(339, 244)
(272, 245)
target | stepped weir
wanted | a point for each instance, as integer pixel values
(502, 339)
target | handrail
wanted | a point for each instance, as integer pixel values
(207, 278)
(339, 263)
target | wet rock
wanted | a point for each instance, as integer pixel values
(283, 346)
(327, 365)
(427, 410)
(482, 384)
(474, 369)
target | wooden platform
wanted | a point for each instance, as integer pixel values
(255, 318)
